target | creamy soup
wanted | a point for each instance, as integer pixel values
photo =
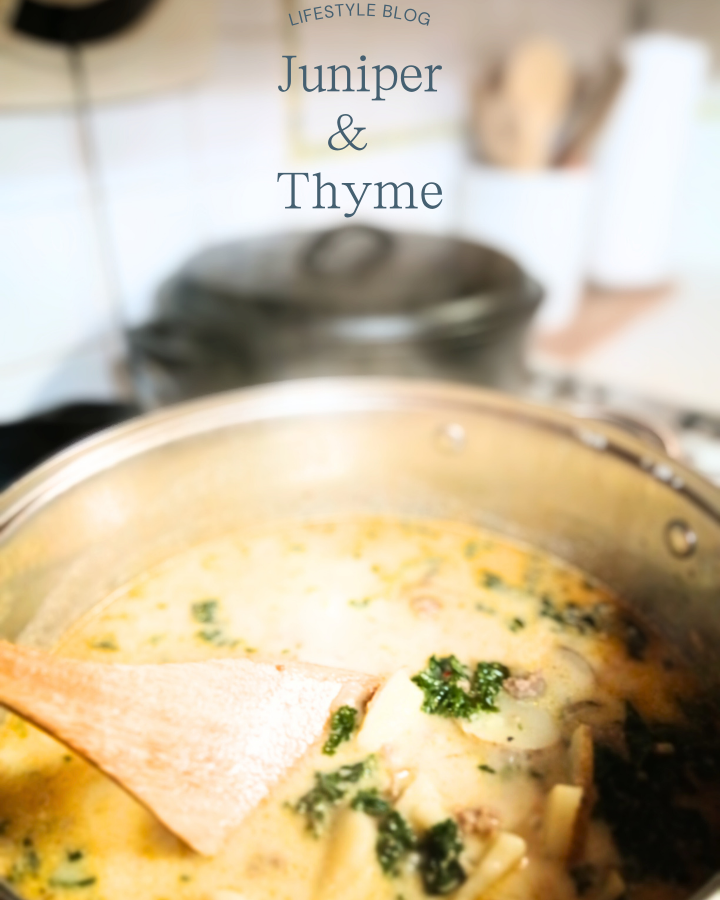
(532, 741)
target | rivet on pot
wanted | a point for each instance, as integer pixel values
(680, 539)
(450, 438)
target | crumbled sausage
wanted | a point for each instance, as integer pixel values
(526, 687)
(480, 820)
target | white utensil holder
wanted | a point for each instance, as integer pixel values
(639, 162)
(541, 220)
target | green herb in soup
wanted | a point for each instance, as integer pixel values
(452, 690)
(440, 867)
(396, 838)
(530, 739)
(72, 873)
(342, 726)
(205, 611)
(329, 789)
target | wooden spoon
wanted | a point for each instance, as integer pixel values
(519, 116)
(199, 744)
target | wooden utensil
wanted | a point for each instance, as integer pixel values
(199, 744)
(520, 115)
(585, 127)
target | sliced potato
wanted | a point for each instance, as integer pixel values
(504, 853)
(227, 895)
(582, 768)
(391, 713)
(519, 725)
(422, 805)
(563, 806)
(350, 864)
(570, 676)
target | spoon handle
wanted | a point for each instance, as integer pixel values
(82, 704)
(34, 685)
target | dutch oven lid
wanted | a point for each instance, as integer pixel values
(364, 283)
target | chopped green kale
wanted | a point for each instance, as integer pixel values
(488, 769)
(65, 877)
(487, 683)
(371, 803)
(580, 618)
(330, 788)
(440, 851)
(643, 794)
(452, 690)
(72, 873)
(27, 865)
(470, 550)
(395, 840)
(516, 625)
(395, 836)
(492, 581)
(217, 637)
(360, 604)
(205, 611)
(107, 643)
(342, 725)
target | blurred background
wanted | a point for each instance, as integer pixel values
(146, 254)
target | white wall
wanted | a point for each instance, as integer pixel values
(197, 164)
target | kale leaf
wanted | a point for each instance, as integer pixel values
(580, 618)
(643, 797)
(395, 840)
(329, 789)
(440, 868)
(452, 690)
(371, 803)
(27, 865)
(395, 836)
(205, 611)
(438, 850)
(342, 725)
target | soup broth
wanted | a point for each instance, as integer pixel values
(533, 740)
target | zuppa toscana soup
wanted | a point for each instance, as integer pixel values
(532, 741)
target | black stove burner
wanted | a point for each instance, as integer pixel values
(25, 444)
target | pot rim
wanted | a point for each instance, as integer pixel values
(328, 396)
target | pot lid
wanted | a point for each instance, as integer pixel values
(363, 283)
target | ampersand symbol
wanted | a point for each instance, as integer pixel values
(349, 141)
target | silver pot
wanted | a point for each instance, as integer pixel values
(346, 302)
(101, 513)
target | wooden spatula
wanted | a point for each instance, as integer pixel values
(199, 744)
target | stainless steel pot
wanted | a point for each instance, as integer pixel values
(101, 513)
(346, 302)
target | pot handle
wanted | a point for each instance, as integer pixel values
(354, 251)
